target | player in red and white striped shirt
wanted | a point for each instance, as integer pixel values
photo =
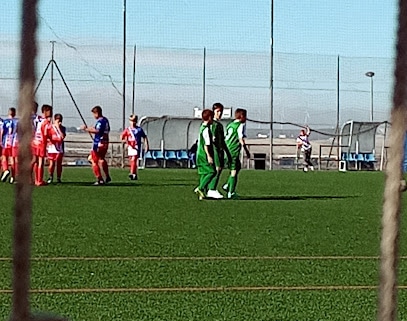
(133, 136)
(55, 148)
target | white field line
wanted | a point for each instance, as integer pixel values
(206, 289)
(200, 258)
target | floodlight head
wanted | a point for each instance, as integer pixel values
(369, 74)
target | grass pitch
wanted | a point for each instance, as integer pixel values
(296, 246)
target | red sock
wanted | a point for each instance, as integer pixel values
(13, 169)
(51, 168)
(40, 174)
(35, 170)
(133, 166)
(4, 164)
(96, 171)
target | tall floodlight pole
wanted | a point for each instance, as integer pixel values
(124, 65)
(134, 79)
(338, 75)
(52, 72)
(370, 74)
(271, 83)
(204, 79)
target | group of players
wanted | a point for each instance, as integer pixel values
(48, 143)
(213, 145)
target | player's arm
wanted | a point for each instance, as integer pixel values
(208, 143)
(307, 130)
(223, 144)
(91, 130)
(146, 144)
(299, 143)
(124, 135)
(241, 131)
(62, 130)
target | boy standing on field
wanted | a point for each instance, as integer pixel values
(204, 156)
(133, 136)
(235, 140)
(55, 148)
(100, 145)
(219, 150)
(304, 144)
(10, 145)
(39, 143)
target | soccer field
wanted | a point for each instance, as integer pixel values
(296, 246)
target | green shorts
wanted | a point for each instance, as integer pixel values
(206, 168)
(219, 158)
(235, 164)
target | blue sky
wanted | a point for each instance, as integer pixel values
(346, 27)
(311, 32)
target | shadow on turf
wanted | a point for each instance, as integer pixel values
(292, 197)
(124, 184)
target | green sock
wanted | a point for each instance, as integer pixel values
(214, 181)
(205, 180)
(232, 184)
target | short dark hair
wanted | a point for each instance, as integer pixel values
(207, 114)
(217, 106)
(240, 113)
(34, 107)
(97, 110)
(58, 116)
(46, 107)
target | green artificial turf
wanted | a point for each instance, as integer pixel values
(281, 216)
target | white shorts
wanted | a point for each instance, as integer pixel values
(132, 151)
(51, 149)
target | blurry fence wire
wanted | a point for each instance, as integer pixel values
(170, 81)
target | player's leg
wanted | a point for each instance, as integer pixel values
(309, 161)
(14, 166)
(59, 167)
(103, 163)
(304, 160)
(219, 160)
(51, 167)
(40, 171)
(210, 173)
(13, 169)
(96, 168)
(133, 167)
(4, 165)
(232, 181)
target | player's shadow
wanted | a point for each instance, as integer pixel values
(133, 184)
(294, 197)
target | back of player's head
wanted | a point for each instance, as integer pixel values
(207, 114)
(216, 106)
(240, 113)
(97, 110)
(133, 118)
(12, 111)
(58, 117)
(45, 108)
(34, 107)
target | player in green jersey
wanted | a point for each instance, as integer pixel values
(235, 140)
(204, 154)
(219, 150)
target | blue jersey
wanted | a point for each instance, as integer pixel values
(102, 136)
(9, 133)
